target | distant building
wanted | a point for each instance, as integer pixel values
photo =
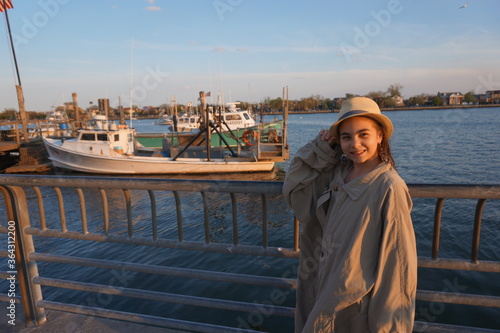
(398, 101)
(68, 106)
(493, 96)
(452, 98)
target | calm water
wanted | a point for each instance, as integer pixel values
(458, 146)
(447, 146)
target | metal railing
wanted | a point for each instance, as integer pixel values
(24, 194)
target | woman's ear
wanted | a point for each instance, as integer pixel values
(380, 137)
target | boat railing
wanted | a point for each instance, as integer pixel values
(37, 129)
(47, 216)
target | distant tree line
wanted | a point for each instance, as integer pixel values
(389, 98)
(11, 114)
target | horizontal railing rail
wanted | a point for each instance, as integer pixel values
(66, 189)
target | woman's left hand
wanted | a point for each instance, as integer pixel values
(326, 136)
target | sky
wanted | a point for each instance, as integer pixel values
(161, 51)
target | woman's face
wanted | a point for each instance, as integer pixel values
(359, 139)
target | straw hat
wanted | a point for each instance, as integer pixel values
(362, 106)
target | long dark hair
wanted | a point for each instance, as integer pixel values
(384, 146)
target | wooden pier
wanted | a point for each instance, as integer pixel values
(6, 146)
(20, 155)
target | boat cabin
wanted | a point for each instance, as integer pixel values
(112, 142)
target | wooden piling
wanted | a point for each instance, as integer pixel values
(22, 112)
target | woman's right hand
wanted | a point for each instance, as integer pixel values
(326, 136)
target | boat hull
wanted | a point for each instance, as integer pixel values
(95, 163)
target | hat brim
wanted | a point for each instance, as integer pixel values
(380, 118)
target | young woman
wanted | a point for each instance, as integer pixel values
(358, 261)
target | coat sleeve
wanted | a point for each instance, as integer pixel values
(392, 304)
(308, 174)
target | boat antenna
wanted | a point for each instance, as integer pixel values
(250, 97)
(210, 78)
(131, 79)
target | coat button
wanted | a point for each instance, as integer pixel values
(335, 188)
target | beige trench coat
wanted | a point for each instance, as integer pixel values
(357, 243)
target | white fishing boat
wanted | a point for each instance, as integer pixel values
(56, 123)
(57, 116)
(186, 123)
(234, 117)
(164, 119)
(108, 148)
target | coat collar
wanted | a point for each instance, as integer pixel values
(358, 186)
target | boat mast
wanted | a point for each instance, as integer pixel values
(285, 117)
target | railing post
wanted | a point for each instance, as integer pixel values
(437, 228)
(477, 230)
(265, 240)
(27, 269)
(9, 207)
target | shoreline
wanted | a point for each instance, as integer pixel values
(442, 107)
(402, 108)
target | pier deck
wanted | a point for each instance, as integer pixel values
(69, 322)
(8, 146)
